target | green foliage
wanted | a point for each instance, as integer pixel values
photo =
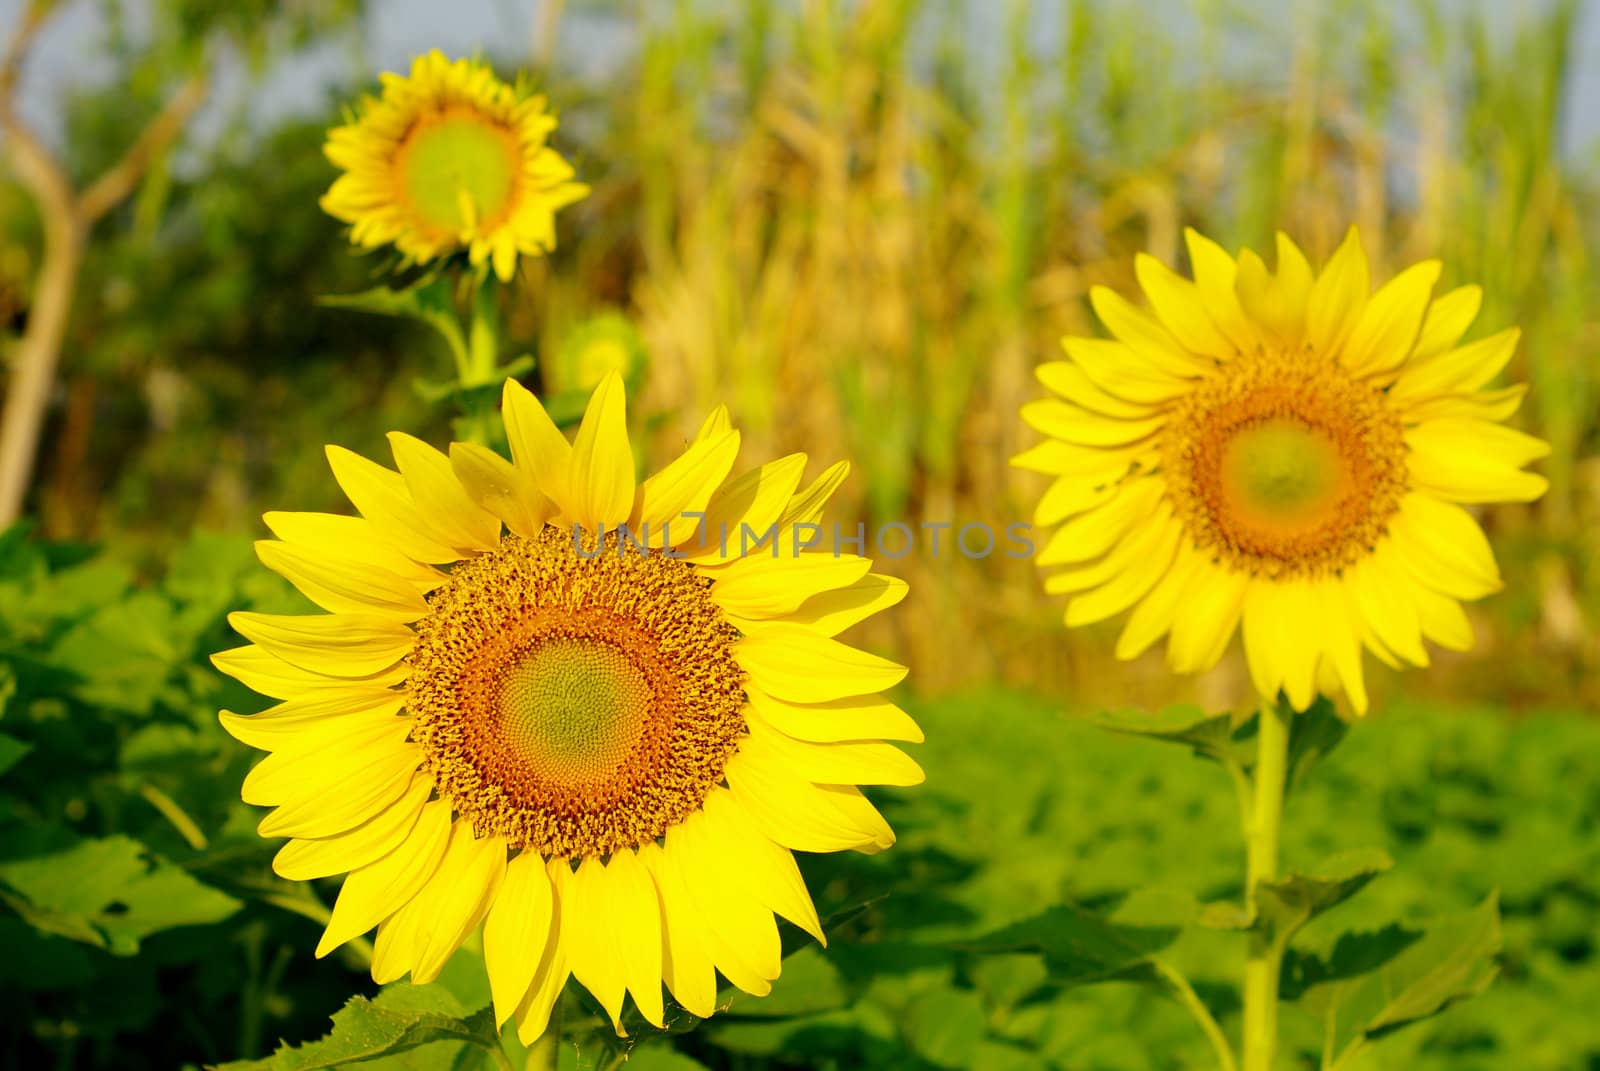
(374, 1032)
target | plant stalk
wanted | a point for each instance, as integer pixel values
(1265, 960)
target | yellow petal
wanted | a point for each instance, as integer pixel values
(1069, 380)
(1338, 297)
(344, 585)
(374, 892)
(1154, 616)
(760, 587)
(686, 963)
(1379, 585)
(264, 672)
(280, 726)
(797, 813)
(533, 1014)
(1215, 274)
(1341, 645)
(716, 423)
(1282, 639)
(1089, 535)
(1121, 371)
(1473, 461)
(500, 487)
(1458, 371)
(1442, 546)
(1180, 308)
(806, 506)
(1446, 321)
(722, 923)
(386, 502)
(1148, 556)
(305, 859)
(1073, 424)
(1208, 613)
(431, 926)
(441, 499)
(517, 933)
(792, 662)
(685, 486)
(1056, 458)
(349, 537)
(537, 445)
(744, 511)
(614, 935)
(765, 871)
(1384, 334)
(1441, 617)
(324, 799)
(1140, 331)
(850, 762)
(1493, 406)
(831, 612)
(340, 645)
(856, 718)
(601, 474)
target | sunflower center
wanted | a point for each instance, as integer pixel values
(1285, 465)
(457, 169)
(574, 711)
(575, 705)
(1282, 473)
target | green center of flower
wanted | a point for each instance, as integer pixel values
(1282, 472)
(574, 711)
(458, 170)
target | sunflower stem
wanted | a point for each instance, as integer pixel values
(1265, 958)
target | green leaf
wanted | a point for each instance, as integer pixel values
(399, 1019)
(1382, 981)
(1312, 734)
(123, 653)
(11, 749)
(109, 892)
(1210, 735)
(1288, 903)
(1080, 947)
(428, 303)
(1352, 955)
(1454, 961)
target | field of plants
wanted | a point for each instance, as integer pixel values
(861, 227)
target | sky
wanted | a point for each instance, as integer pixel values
(395, 30)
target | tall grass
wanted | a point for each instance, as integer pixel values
(862, 225)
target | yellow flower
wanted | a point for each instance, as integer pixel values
(450, 158)
(602, 747)
(1285, 453)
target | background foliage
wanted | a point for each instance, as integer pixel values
(861, 226)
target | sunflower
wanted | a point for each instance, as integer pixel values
(1284, 453)
(450, 158)
(601, 743)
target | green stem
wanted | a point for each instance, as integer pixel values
(1265, 960)
(1202, 1015)
(545, 1053)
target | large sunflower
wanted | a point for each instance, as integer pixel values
(1286, 453)
(604, 749)
(446, 159)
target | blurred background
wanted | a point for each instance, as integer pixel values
(860, 225)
